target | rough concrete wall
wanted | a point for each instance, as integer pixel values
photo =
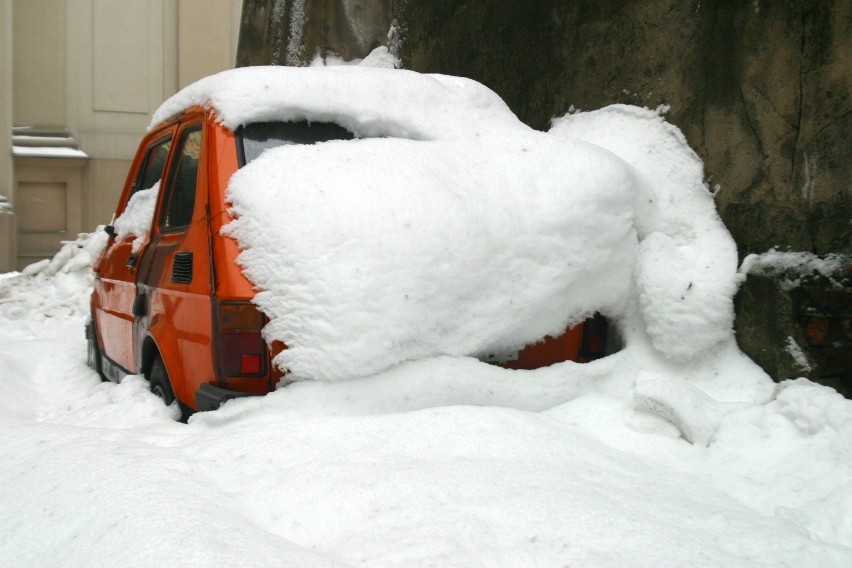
(761, 89)
(293, 32)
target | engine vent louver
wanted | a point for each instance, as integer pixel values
(182, 268)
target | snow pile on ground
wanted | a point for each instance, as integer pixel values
(63, 282)
(447, 462)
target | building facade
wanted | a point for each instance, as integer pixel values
(79, 80)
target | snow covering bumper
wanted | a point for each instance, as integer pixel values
(211, 397)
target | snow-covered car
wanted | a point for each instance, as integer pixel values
(184, 296)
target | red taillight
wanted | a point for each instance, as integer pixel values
(249, 364)
(242, 351)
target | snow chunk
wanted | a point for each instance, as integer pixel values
(137, 216)
(686, 271)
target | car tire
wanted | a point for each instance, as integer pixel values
(161, 386)
(93, 353)
(159, 379)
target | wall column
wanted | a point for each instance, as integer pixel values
(7, 219)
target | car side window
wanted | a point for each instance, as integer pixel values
(155, 162)
(180, 190)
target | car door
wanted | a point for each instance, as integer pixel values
(174, 275)
(115, 275)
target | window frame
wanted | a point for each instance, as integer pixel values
(137, 183)
(240, 134)
(167, 189)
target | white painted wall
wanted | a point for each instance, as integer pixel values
(7, 228)
(100, 68)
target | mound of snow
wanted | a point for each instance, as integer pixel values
(686, 270)
(53, 288)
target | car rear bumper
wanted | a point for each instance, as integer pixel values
(211, 397)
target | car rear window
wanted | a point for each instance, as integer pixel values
(253, 139)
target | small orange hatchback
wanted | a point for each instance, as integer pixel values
(170, 300)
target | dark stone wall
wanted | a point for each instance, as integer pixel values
(760, 88)
(288, 32)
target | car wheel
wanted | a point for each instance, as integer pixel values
(93, 354)
(160, 384)
(162, 387)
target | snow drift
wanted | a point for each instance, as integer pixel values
(445, 461)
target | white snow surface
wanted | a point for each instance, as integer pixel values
(439, 462)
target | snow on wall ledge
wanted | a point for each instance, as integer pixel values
(448, 227)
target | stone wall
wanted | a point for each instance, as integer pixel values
(761, 90)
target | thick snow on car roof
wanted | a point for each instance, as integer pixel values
(370, 102)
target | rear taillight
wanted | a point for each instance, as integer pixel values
(242, 350)
(595, 331)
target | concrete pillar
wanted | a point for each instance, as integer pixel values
(7, 219)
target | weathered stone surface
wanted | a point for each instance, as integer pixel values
(761, 89)
(293, 32)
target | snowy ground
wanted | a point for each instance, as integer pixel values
(676, 451)
(444, 462)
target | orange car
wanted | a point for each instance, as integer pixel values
(171, 303)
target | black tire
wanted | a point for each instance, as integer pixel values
(159, 379)
(93, 353)
(161, 386)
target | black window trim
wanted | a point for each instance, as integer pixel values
(241, 149)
